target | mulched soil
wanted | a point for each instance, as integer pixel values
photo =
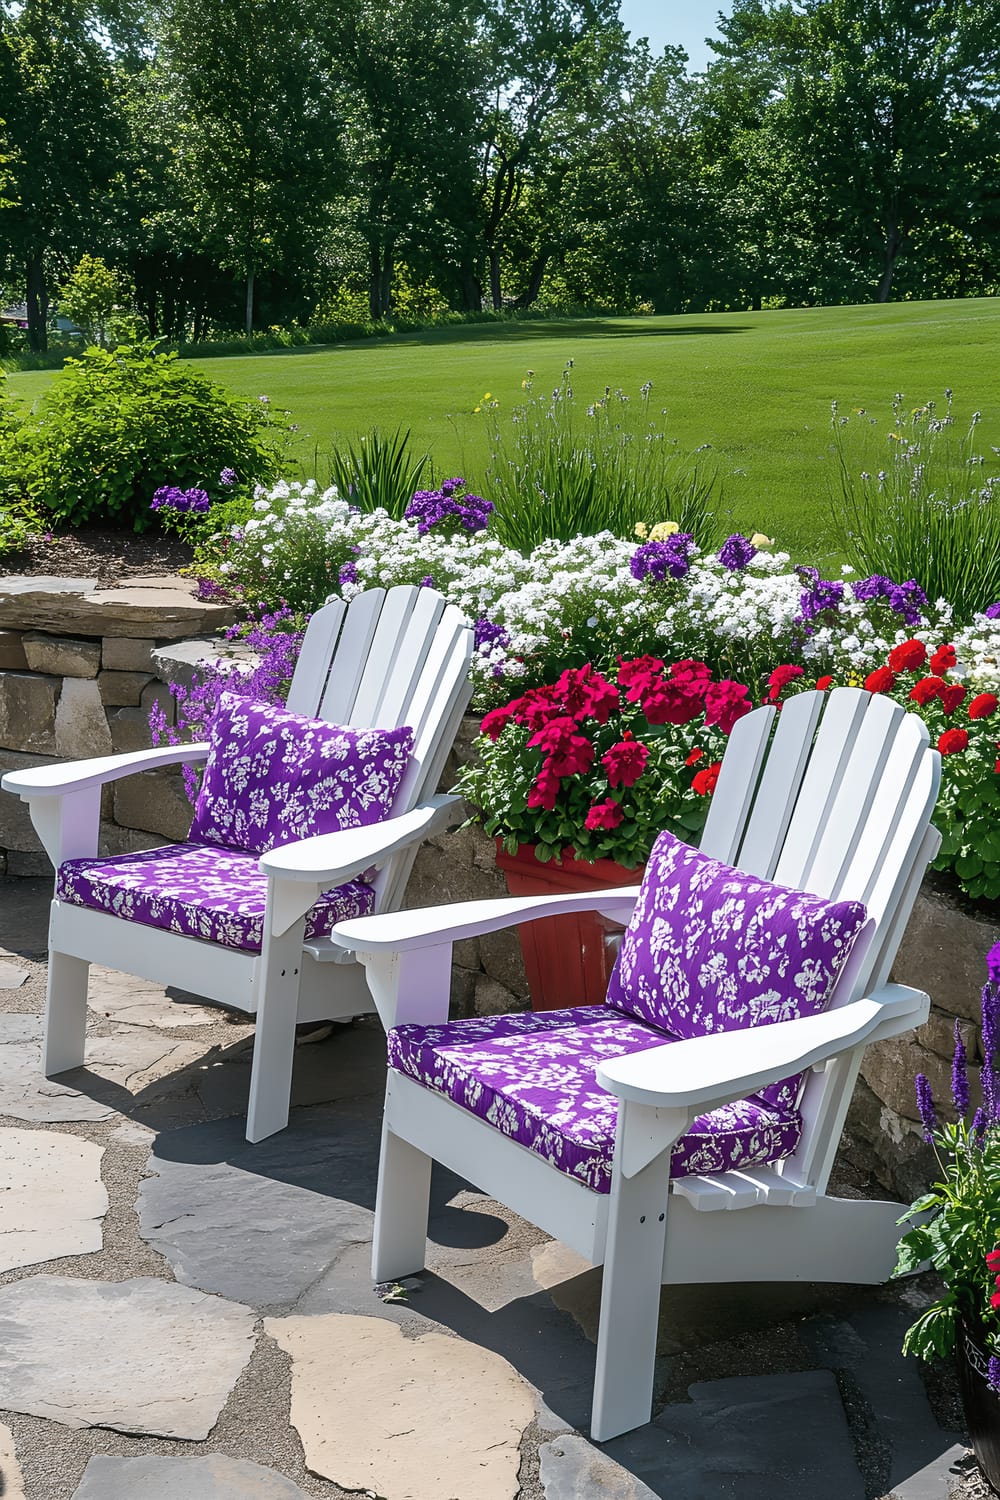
(112, 557)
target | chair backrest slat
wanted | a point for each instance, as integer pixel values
(398, 701)
(838, 731)
(737, 783)
(779, 784)
(313, 666)
(385, 647)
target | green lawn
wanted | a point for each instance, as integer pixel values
(757, 386)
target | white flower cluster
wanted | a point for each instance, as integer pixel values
(583, 592)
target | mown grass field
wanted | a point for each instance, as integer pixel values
(756, 386)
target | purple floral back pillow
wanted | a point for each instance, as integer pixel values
(273, 777)
(710, 948)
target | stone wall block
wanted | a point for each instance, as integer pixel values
(122, 689)
(127, 653)
(944, 952)
(28, 712)
(129, 729)
(16, 829)
(118, 840)
(154, 802)
(81, 728)
(62, 656)
(503, 961)
(462, 1004)
(493, 998)
(12, 657)
(29, 864)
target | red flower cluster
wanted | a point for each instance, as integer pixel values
(779, 680)
(882, 680)
(911, 656)
(705, 781)
(626, 761)
(993, 1266)
(907, 657)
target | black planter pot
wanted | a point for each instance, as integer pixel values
(982, 1405)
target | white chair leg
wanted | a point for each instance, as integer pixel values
(402, 1205)
(65, 1014)
(274, 1039)
(630, 1301)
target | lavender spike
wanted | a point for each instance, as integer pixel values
(925, 1104)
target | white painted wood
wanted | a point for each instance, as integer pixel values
(737, 783)
(630, 1289)
(838, 729)
(744, 1189)
(371, 663)
(64, 1037)
(399, 1244)
(779, 784)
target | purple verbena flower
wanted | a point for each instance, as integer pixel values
(992, 611)
(348, 574)
(657, 561)
(993, 1373)
(823, 595)
(228, 477)
(449, 508)
(210, 592)
(906, 599)
(959, 1076)
(488, 635)
(169, 497)
(736, 552)
(925, 1106)
(427, 582)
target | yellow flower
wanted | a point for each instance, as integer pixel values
(641, 529)
(663, 529)
(487, 397)
(475, 409)
(894, 437)
(760, 540)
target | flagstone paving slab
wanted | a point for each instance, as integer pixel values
(12, 976)
(261, 1223)
(53, 1200)
(117, 1068)
(11, 1480)
(140, 1356)
(214, 1477)
(141, 1002)
(411, 1418)
(573, 1469)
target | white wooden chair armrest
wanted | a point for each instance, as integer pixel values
(709, 1071)
(429, 926)
(331, 858)
(79, 775)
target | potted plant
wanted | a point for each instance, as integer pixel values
(577, 778)
(956, 1227)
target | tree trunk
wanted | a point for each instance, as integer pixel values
(472, 290)
(37, 299)
(893, 245)
(535, 277)
(381, 269)
(496, 296)
(250, 279)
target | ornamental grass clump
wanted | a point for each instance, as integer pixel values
(600, 764)
(918, 501)
(378, 472)
(961, 1236)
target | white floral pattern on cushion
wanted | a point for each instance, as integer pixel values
(192, 889)
(273, 777)
(532, 1076)
(710, 948)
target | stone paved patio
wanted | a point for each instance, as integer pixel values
(186, 1317)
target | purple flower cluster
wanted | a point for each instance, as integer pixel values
(228, 478)
(487, 634)
(992, 611)
(960, 1076)
(657, 561)
(210, 592)
(925, 1106)
(348, 574)
(818, 596)
(182, 502)
(905, 599)
(449, 508)
(736, 552)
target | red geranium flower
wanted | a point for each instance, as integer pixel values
(953, 741)
(639, 676)
(672, 702)
(625, 762)
(725, 702)
(545, 790)
(496, 721)
(993, 1260)
(779, 680)
(908, 656)
(694, 672)
(983, 705)
(567, 753)
(604, 815)
(822, 683)
(705, 781)
(943, 659)
(537, 707)
(951, 695)
(585, 693)
(694, 757)
(924, 691)
(880, 681)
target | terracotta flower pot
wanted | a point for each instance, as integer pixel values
(982, 1405)
(569, 959)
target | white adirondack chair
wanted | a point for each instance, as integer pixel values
(843, 812)
(386, 660)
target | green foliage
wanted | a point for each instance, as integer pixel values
(20, 523)
(97, 301)
(917, 502)
(558, 469)
(378, 471)
(114, 427)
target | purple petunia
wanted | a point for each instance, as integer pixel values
(210, 592)
(959, 1076)
(736, 552)
(427, 582)
(992, 611)
(449, 508)
(657, 561)
(182, 502)
(819, 597)
(348, 574)
(925, 1106)
(905, 599)
(488, 634)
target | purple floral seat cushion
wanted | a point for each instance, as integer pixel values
(532, 1076)
(273, 777)
(192, 889)
(710, 948)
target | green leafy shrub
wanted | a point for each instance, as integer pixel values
(116, 426)
(917, 501)
(377, 472)
(559, 469)
(20, 523)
